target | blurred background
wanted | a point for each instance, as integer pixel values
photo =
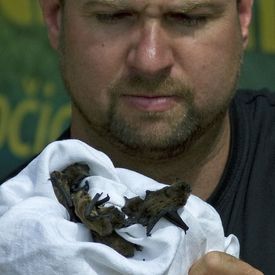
(34, 107)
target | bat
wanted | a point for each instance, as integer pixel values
(157, 204)
(72, 192)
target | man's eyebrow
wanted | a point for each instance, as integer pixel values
(187, 6)
(112, 3)
(183, 5)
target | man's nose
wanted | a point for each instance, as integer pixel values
(151, 52)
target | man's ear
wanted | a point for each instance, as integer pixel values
(51, 10)
(245, 15)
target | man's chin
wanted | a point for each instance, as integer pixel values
(153, 145)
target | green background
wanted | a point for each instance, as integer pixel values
(34, 107)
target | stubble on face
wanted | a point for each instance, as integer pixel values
(151, 132)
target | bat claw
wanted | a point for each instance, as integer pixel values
(102, 201)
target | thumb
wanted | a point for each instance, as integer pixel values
(219, 263)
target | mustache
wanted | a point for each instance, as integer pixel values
(154, 86)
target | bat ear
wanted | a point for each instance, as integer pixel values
(126, 199)
(55, 175)
(187, 187)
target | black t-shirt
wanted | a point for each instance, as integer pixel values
(245, 195)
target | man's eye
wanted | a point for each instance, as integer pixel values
(185, 19)
(111, 18)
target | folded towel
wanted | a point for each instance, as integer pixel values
(37, 236)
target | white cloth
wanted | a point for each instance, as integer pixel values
(36, 236)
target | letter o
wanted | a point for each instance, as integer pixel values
(4, 117)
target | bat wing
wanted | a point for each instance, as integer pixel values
(175, 218)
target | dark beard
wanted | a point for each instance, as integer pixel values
(129, 134)
(130, 137)
(179, 140)
(182, 132)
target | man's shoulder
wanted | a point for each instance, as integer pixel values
(255, 105)
(255, 97)
(254, 110)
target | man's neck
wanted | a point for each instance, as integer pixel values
(201, 166)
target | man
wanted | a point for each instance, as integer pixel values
(152, 84)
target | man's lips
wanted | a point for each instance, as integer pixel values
(150, 103)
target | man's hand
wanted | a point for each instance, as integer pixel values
(219, 263)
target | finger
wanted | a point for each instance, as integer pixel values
(219, 263)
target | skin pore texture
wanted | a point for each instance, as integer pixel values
(151, 82)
